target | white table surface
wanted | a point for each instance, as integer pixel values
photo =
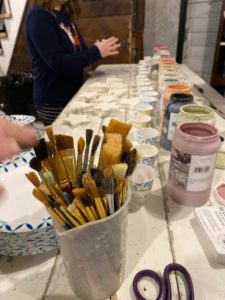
(159, 233)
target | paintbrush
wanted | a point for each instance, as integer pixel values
(56, 206)
(127, 146)
(56, 217)
(65, 146)
(119, 173)
(48, 179)
(108, 186)
(79, 192)
(57, 164)
(110, 156)
(75, 212)
(97, 200)
(69, 216)
(131, 159)
(80, 149)
(78, 203)
(116, 126)
(33, 179)
(100, 167)
(95, 144)
(41, 152)
(89, 133)
(124, 190)
(38, 194)
(98, 177)
(87, 203)
(37, 183)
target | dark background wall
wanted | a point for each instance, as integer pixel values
(99, 19)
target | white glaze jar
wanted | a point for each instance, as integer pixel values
(192, 113)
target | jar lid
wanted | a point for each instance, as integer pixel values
(219, 194)
(181, 97)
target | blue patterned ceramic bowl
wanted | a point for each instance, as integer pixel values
(147, 136)
(25, 226)
(142, 178)
(149, 154)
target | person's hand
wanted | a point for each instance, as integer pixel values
(14, 137)
(108, 47)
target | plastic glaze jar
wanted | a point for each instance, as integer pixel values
(192, 163)
(172, 89)
(169, 121)
(196, 113)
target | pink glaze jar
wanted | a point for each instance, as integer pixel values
(192, 163)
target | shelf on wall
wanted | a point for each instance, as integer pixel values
(5, 9)
(1, 49)
(3, 31)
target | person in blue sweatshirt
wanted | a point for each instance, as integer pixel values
(59, 54)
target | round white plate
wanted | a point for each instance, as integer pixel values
(22, 119)
(20, 211)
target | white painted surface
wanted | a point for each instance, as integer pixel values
(12, 27)
(158, 233)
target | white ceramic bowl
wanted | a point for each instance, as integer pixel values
(149, 154)
(147, 136)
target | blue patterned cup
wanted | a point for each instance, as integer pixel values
(149, 154)
(142, 178)
(147, 136)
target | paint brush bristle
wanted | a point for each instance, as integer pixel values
(95, 144)
(110, 155)
(41, 149)
(131, 167)
(116, 126)
(119, 170)
(33, 178)
(35, 163)
(92, 188)
(80, 145)
(89, 134)
(108, 185)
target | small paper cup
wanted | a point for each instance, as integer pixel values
(144, 108)
(147, 136)
(149, 154)
(141, 183)
(141, 121)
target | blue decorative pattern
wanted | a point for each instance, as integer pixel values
(8, 228)
(149, 161)
(28, 243)
(141, 186)
(17, 161)
(151, 141)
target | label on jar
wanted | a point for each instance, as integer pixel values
(172, 126)
(192, 172)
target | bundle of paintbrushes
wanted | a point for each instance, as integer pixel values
(72, 187)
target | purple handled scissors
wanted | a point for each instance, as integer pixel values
(164, 284)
